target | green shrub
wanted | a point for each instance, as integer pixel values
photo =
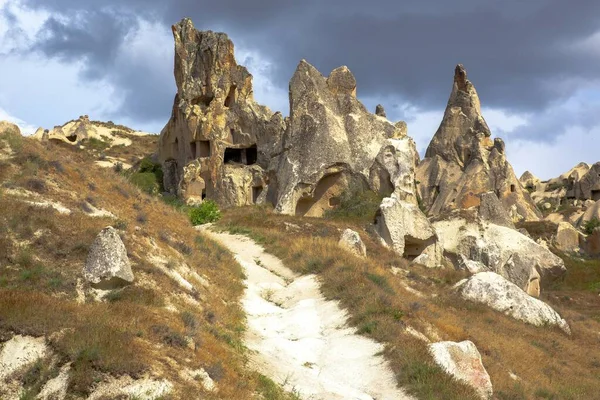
(148, 177)
(356, 203)
(206, 212)
(96, 144)
(146, 181)
(589, 226)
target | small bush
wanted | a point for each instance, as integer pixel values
(356, 203)
(589, 226)
(206, 212)
(36, 185)
(147, 182)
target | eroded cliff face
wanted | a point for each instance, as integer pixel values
(331, 142)
(462, 161)
(218, 141)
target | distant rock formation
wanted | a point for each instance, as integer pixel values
(462, 161)
(82, 130)
(219, 141)
(330, 143)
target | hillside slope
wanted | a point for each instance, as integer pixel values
(174, 333)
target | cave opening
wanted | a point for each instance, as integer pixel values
(245, 156)
(230, 99)
(596, 195)
(413, 247)
(256, 192)
(72, 138)
(512, 188)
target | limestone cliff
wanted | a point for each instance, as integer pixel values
(462, 161)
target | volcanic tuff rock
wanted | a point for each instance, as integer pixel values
(107, 264)
(352, 242)
(330, 143)
(399, 221)
(218, 141)
(463, 361)
(462, 161)
(496, 292)
(482, 246)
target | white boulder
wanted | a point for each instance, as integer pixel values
(496, 292)
(352, 242)
(463, 361)
(107, 264)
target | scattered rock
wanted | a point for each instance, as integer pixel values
(19, 352)
(107, 264)
(501, 295)
(500, 249)
(567, 237)
(56, 388)
(352, 242)
(463, 361)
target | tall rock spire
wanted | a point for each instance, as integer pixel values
(462, 161)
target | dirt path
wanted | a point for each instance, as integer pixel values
(301, 340)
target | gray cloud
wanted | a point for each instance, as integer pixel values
(516, 54)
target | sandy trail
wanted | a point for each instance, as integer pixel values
(299, 339)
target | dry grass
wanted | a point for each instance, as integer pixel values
(133, 331)
(548, 363)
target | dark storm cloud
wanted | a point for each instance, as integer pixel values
(515, 51)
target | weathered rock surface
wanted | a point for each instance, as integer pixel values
(380, 111)
(496, 292)
(82, 130)
(19, 352)
(592, 212)
(462, 161)
(463, 361)
(492, 210)
(219, 141)
(7, 130)
(592, 243)
(107, 264)
(588, 187)
(330, 143)
(352, 242)
(566, 238)
(399, 221)
(482, 246)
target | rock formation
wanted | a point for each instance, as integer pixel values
(330, 143)
(107, 264)
(82, 130)
(496, 292)
(463, 361)
(380, 111)
(479, 246)
(399, 221)
(219, 141)
(352, 242)
(462, 161)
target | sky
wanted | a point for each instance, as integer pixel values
(535, 64)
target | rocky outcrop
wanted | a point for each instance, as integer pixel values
(462, 161)
(9, 133)
(352, 242)
(566, 238)
(380, 111)
(588, 187)
(107, 264)
(592, 243)
(330, 143)
(399, 221)
(477, 246)
(463, 361)
(219, 141)
(501, 295)
(81, 131)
